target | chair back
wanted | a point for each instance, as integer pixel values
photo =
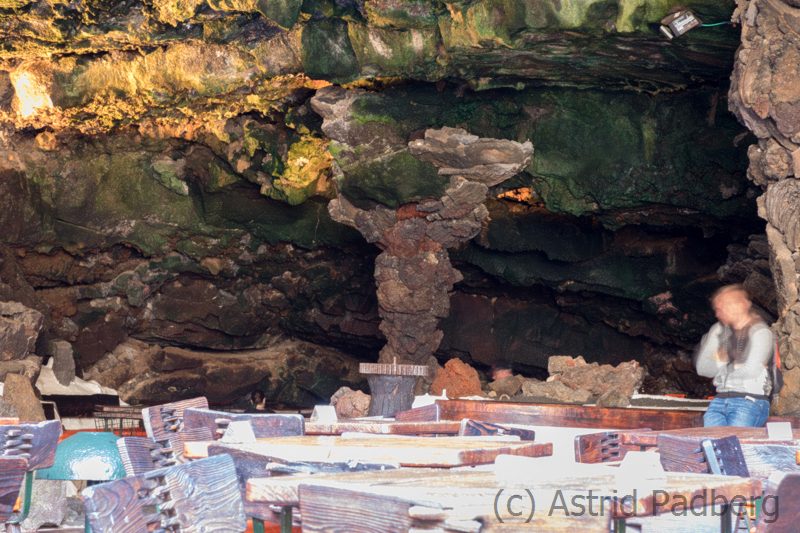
(34, 442)
(12, 470)
(694, 454)
(725, 456)
(199, 496)
(264, 425)
(164, 423)
(141, 454)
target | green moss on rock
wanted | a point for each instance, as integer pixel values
(307, 162)
(392, 180)
(327, 52)
(389, 52)
(170, 174)
(403, 14)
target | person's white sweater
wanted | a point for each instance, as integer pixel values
(750, 374)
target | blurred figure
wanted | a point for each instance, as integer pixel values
(736, 352)
(501, 371)
(258, 402)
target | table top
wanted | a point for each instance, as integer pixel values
(746, 435)
(382, 427)
(9, 421)
(473, 492)
(385, 449)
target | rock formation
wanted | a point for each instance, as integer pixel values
(413, 272)
(164, 177)
(765, 96)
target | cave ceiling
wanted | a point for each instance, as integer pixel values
(165, 176)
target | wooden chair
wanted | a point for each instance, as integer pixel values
(12, 471)
(192, 497)
(164, 424)
(36, 445)
(780, 512)
(264, 425)
(34, 442)
(602, 447)
(476, 428)
(722, 456)
(141, 454)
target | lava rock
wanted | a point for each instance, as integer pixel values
(350, 403)
(19, 393)
(19, 330)
(509, 386)
(458, 379)
(553, 391)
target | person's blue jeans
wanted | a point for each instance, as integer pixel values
(742, 412)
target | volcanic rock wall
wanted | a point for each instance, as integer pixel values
(765, 95)
(164, 177)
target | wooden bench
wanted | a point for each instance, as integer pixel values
(554, 415)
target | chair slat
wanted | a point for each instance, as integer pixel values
(12, 470)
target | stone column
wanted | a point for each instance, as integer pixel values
(413, 273)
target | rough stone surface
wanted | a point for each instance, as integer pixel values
(423, 385)
(413, 273)
(289, 372)
(458, 379)
(558, 364)
(553, 392)
(614, 398)
(63, 361)
(6, 409)
(765, 96)
(19, 330)
(624, 379)
(508, 386)
(164, 176)
(48, 504)
(28, 367)
(350, 403)
(18, 392)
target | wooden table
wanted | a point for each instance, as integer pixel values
(613, 445)
(443, 427)
(554, 415)
(8, 421)
(402, 450)
(479, 500)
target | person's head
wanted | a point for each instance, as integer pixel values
(732, 305)
(501, 372)
(257, 397)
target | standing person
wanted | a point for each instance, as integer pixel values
(736, 352)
